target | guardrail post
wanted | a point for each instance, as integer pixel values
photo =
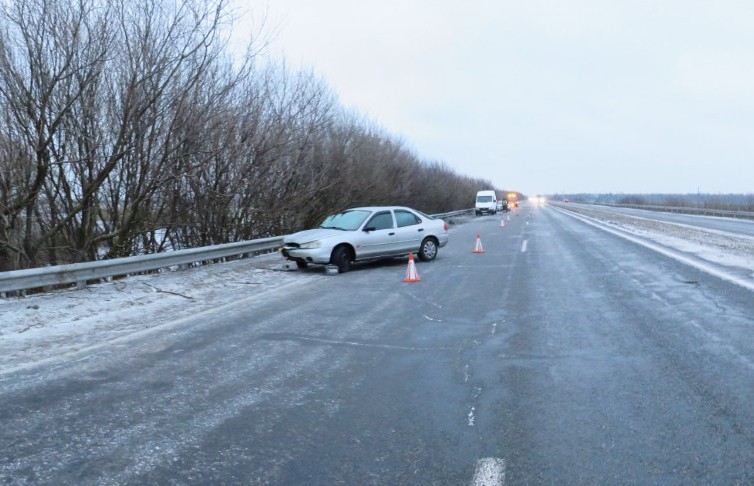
(81, 285)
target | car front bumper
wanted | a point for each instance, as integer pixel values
(309, 255)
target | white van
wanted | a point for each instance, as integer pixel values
(486, 202)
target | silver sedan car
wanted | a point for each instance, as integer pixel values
(367, 233)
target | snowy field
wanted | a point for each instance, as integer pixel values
(43, 327)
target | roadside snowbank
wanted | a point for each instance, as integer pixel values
(719, 247)
(44, 326)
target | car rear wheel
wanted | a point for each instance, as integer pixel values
(301, 264)
(428, 250)
(341, 258)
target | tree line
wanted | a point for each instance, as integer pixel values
(126, 127)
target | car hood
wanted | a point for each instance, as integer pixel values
(311, 235)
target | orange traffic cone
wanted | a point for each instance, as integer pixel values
(411, 275)
(478, 248)
(502, 223)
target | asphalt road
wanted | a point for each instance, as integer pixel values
(560, 355)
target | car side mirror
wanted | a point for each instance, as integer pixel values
(370, 228)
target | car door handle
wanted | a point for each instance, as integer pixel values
(391, 234)
(420, 230)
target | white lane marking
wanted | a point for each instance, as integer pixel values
(523, 246)
(490, 471)
(470, 420)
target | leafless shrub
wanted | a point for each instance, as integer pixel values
(125, 127)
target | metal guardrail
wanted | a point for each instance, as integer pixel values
(80, 273)
(451, 214)
(685, 210)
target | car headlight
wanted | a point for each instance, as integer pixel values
(311, 245)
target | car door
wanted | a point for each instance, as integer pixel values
(409, 231)
(378, 237)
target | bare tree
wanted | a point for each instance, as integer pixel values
(90, 93)
(126, 127)
(50, 55)
(164, 92)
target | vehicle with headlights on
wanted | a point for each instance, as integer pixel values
(367, 233)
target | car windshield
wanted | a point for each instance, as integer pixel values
(484, 199)
(347, 220)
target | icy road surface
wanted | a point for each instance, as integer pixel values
(57, 325)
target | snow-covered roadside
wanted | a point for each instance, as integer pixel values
(43, 326)
(718, 247)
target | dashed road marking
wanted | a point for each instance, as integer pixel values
(490, 471)
(523, 246)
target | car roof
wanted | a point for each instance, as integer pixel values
(378, 208)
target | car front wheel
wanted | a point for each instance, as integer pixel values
(428, 250)
(341, 258)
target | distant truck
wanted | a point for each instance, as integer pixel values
(486, 202)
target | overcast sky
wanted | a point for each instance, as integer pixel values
(543, 96)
